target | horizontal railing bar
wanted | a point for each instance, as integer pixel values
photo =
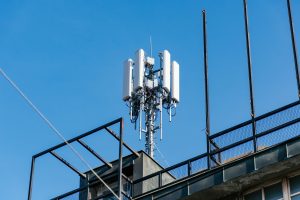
(277, 110)
(232, 145)
(278, 127)
(257, 136)
(255, 119)
(230, 129)
(79, 137)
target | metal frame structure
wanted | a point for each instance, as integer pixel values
(78, 139)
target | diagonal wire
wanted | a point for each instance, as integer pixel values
(58, 133)
(162, 155)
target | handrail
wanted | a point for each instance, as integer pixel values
(255, 119)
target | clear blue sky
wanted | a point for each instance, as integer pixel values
(67, 57)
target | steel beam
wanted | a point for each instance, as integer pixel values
(94, 153)
(67, 164)
(117, 137)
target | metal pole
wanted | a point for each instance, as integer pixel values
(294, 45)
(207, 118)
(150, 131)
(120, 159)
(250, 75)
(31, 178)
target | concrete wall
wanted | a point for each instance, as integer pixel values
(144, 166)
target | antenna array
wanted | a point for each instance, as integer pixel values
(147, 91)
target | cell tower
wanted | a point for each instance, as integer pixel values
(147, 91)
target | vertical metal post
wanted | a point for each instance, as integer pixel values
(250, 74)
(120, 159)
(207, 118)
(294, 46)
(159, 179)
(189, 166)
(31, 178)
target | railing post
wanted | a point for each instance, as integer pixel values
(159, 179)
(189, 168)
(249, 61)
(120, 159)
(207, 118)
(294, 46)
(31, 178)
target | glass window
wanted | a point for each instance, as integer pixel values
(274, 192)
(254, 196)
(295, 185)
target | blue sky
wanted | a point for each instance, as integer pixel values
(67, 57)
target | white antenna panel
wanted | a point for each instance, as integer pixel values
(127, 79)
(139, 69)
(166, 70)
(175, 82)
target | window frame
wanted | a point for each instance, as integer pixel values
(285, 185)
(289, 185)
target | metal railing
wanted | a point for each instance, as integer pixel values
(236, 142)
